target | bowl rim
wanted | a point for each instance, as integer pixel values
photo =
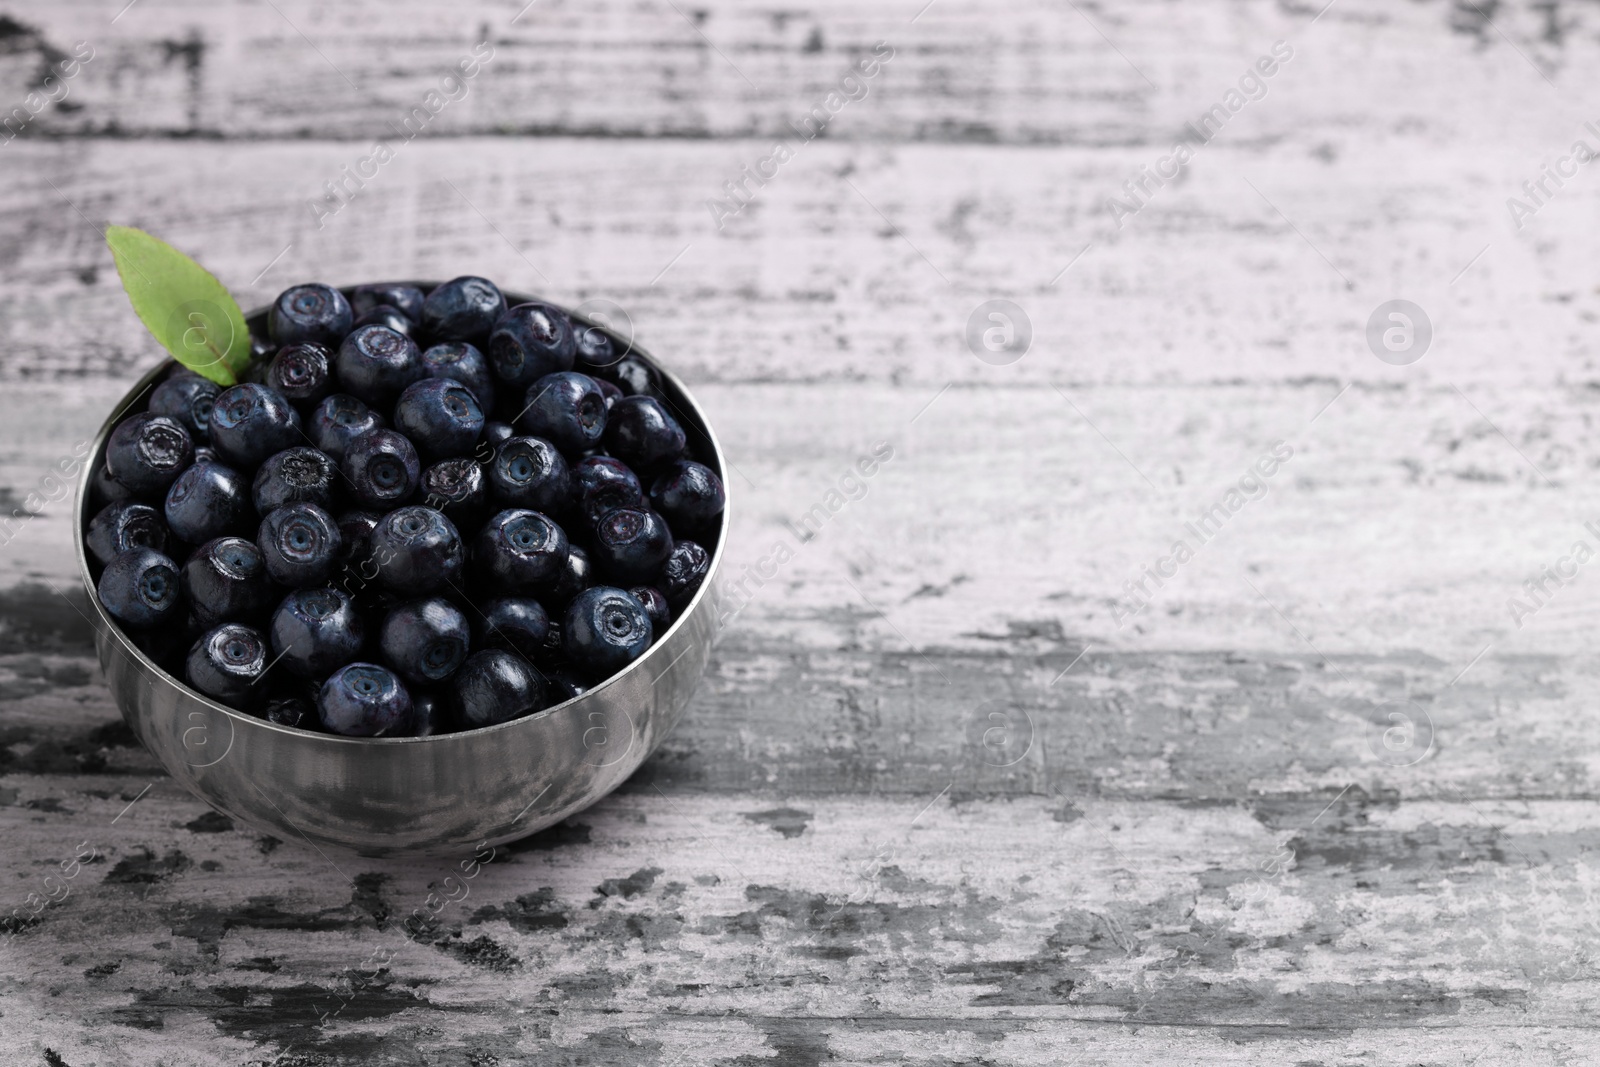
(124, 644)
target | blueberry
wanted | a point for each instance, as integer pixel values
(530, 341)
(689, 495)
(496, 686)
(302, 373)
(515, 623)
(388, 317)
(417, 550)
(576, 576)
(605, 629)
(518, 551)
(632, 544)
(375, 364)
(498, 432)
(226, 580)
(364, 700)
(339, 420)
(565, 686)
(187, 399)
(655, 606)
(463, 309)
(425, 641)
(300, 544)
(635, 377)
(458, 488)
(293, 476)
(442, 417)
(641, 433)
(429, 714)
(381, 469)
(603, 484)
(462, 363)
(208, 500)
(529, 472)
(355, 536)
(407, 299)
(686, 568)
(309, 313)
(147, 452)
(119, 527)
(316, 631)
(107, 490)
(250, 422)
(204, 454)
(139, 587)
(610, 391)
(568, 409)
(168, 644)
(226, 663)
(596, 350)
(291, 711)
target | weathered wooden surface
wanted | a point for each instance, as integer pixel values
(937, 802)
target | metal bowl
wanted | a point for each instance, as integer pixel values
(442, 794)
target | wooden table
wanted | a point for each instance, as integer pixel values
(944, 797)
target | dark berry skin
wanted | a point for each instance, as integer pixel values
(226, 663)
(518, 624)
(107, 490)
(641, 433)
(442, 417)
(689, 495)
(595, 348)
(355, 531)
(496, 686)
(250, 422)
(603, 484)
(314, 632)
(609, 391)
(381, 469)
(226, 580)
(429, 714)
(291, 711)
(425, 641)
(293, 476)
(303, 373)
(604, 630)
(635, 377)
(530, 341)
(140, 588)
(147, 452)
(464, 363)
(375, 365)
(417, 550)
(458, 488)
(208, 500)
(186, 398)
(300, 544)
(565, 686)
(631, 544)
(204, 454)
(529, 472)
(309, 313)
(406, 299)
(462, 309)
(364, 700)
(389, 317)
(497, 433)
(339, 420)
(655, 606)
(520, 551)
(566, 409)
(119, 527)
(576, 576)
(686, 568)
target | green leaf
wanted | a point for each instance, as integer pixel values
(182, 305)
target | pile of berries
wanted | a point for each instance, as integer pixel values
(418, 513)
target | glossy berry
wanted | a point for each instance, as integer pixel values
(635, 377)
(689, 495)
(364, 700)
(496, 686)
(497, 433)
(596, 350)
(208, 500)
(529, 472)
(355, 535)
(458, 488)
(631, 544)
(291, 711)
(442, 417)
(641, 433)
(300, 544)
(303, 373)
(250, 422)
(655, 606)
(381, 469)
(576, 576)
(604, 630)
(601, 484)
(464, 363)
(429, 714)
(107, 490)
(610, 391)
(519, 551)
(530, 341)
(147, 452)
(314, 632)
(462, 309)
(564, 686)
(518, 624)
(338, 420)
(226, 663)
(425, 641)
(567, 409)
(226, 580)
(417, 550)
(686, 568)
(309, 313)
(187, 399)
(375, 365)
(407, 299)
(293, 476)
(119, 527)
(390, 318)
(140, 588)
